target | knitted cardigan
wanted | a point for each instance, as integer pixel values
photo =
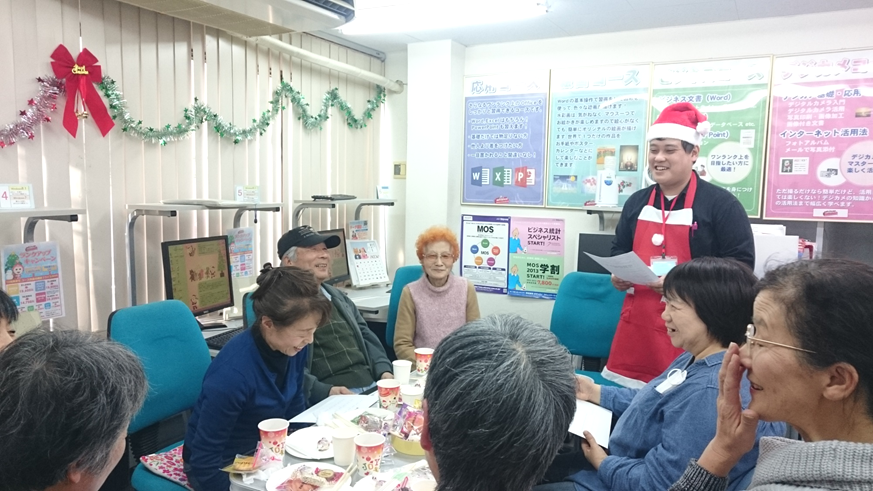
(787, 465)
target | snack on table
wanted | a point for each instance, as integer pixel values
(323, 444)
(305, 478)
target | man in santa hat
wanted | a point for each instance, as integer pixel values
(678, 218)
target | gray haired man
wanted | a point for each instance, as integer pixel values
(66, 400)
(499, 399)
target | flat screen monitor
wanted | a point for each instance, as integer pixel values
(197, 272)
(597, 244)
(339, 262)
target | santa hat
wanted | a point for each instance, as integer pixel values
(681, 121)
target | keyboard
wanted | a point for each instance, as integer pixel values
(332, 197)
(218, 341)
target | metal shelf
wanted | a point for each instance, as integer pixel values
(34, 215)
(301, 205)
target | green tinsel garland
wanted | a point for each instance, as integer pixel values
(200, 113)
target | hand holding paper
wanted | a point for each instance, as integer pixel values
(627, 266)
(594, 419)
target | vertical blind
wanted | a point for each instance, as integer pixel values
(161, 64)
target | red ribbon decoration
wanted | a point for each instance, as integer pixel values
(80, 74)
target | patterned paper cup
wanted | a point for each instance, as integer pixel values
(422, 360)
(368, 448)
(273, 434)
(389, 392)
(411, 395)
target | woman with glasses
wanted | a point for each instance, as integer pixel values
(258, 375)
(438, 303)
(809, 359)
(673, 417)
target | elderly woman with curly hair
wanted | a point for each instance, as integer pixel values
(439, 302)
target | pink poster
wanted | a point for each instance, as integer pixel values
(820, 164)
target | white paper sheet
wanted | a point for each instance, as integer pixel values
(336, 404)
(593, 419)
(627, 266)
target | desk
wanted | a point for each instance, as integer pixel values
(34, 215)
(372, 302)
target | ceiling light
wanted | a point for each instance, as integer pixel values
(394, 16)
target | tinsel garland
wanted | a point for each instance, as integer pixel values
(36, 113)
(200, 113)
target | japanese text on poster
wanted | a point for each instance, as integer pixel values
(598, 125)
(32, 277)
(536, 257)
(505, 139)
(733, 94)
(242, 252)
(821, 151)
(484, 257)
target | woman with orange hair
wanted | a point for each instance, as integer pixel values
(438, 303)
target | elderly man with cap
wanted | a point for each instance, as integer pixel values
(346, 357)
(678, 218)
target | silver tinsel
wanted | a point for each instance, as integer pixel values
(36, 113)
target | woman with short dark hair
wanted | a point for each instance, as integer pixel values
(660, 426)
(809, 359)
(256, 376)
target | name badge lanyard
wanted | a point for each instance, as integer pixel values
(664, 215)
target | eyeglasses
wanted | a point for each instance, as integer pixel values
(751, 340)
(444, 257)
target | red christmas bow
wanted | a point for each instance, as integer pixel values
(80, 74)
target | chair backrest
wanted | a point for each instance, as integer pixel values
(167, 339)
(586, 313)
(403, 276)
(248, 310)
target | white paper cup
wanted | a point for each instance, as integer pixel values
(273, 434)
(344, 446)
(411, 395)
(402, 369)
(368, 448)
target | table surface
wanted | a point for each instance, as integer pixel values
(396, 461)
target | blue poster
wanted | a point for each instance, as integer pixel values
(598, 119)
(505, 139)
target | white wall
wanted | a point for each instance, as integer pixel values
(785, 35)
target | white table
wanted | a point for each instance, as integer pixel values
(397, 460)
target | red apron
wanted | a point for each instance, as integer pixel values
(641, 349)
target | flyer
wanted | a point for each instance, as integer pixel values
(32, 277)
(597, 122)
(821, 151)
(733, 94)
(241, 243)
(536, 257)
(484, 257)
(505, 139)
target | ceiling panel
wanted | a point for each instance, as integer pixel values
(753, 9)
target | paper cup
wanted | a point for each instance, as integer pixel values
(411, 395)
(422, 360)
(368, 449)
(389, 392)
(273, 434)
(402, 368)
(423, 486)
(344, 446)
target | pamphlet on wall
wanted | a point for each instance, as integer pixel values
(32, 277)
(358, 230)
(241, 243)
(366, 264)
(16, 196)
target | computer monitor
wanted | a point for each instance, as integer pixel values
(339, 262)
(197, 272)
(597, 244)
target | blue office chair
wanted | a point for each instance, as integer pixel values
(585, 316)
(248, 310)
(403, 276)
(166, 338)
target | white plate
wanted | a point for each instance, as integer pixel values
(303, 443)
(279, 477)
(369, 483)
